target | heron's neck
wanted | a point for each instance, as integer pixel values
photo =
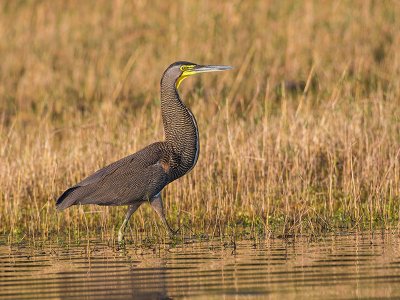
(180, 126)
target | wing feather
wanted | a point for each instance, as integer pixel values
(117, 183)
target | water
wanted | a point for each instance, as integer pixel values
(345, 266)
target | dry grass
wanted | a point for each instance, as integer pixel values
(79, 89)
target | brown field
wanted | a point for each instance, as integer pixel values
(79, 88)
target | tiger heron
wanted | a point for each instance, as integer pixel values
(140, 177)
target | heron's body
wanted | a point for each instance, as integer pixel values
(141, 176)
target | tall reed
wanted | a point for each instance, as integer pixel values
(303, 136)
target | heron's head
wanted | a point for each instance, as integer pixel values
(181, 70)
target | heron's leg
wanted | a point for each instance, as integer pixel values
(132, 208)
(156, 203)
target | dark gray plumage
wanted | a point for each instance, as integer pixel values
(140, 177)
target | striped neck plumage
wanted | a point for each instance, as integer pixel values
(180, 126)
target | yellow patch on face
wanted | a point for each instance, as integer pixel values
(187, 70)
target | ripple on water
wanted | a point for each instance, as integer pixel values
(344, 266)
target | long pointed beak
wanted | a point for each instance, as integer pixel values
(203, 69)
(200, 69)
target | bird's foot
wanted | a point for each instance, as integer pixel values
(173, 233)
(121, 245)
(121, 240)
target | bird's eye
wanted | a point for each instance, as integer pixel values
(186, 67)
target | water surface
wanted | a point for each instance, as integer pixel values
(345, 266)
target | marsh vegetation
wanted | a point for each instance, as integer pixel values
(303, 136)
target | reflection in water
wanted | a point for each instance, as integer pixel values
(343, 266)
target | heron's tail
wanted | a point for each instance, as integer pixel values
(66, 200)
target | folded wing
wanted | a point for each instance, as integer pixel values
(129, 179)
